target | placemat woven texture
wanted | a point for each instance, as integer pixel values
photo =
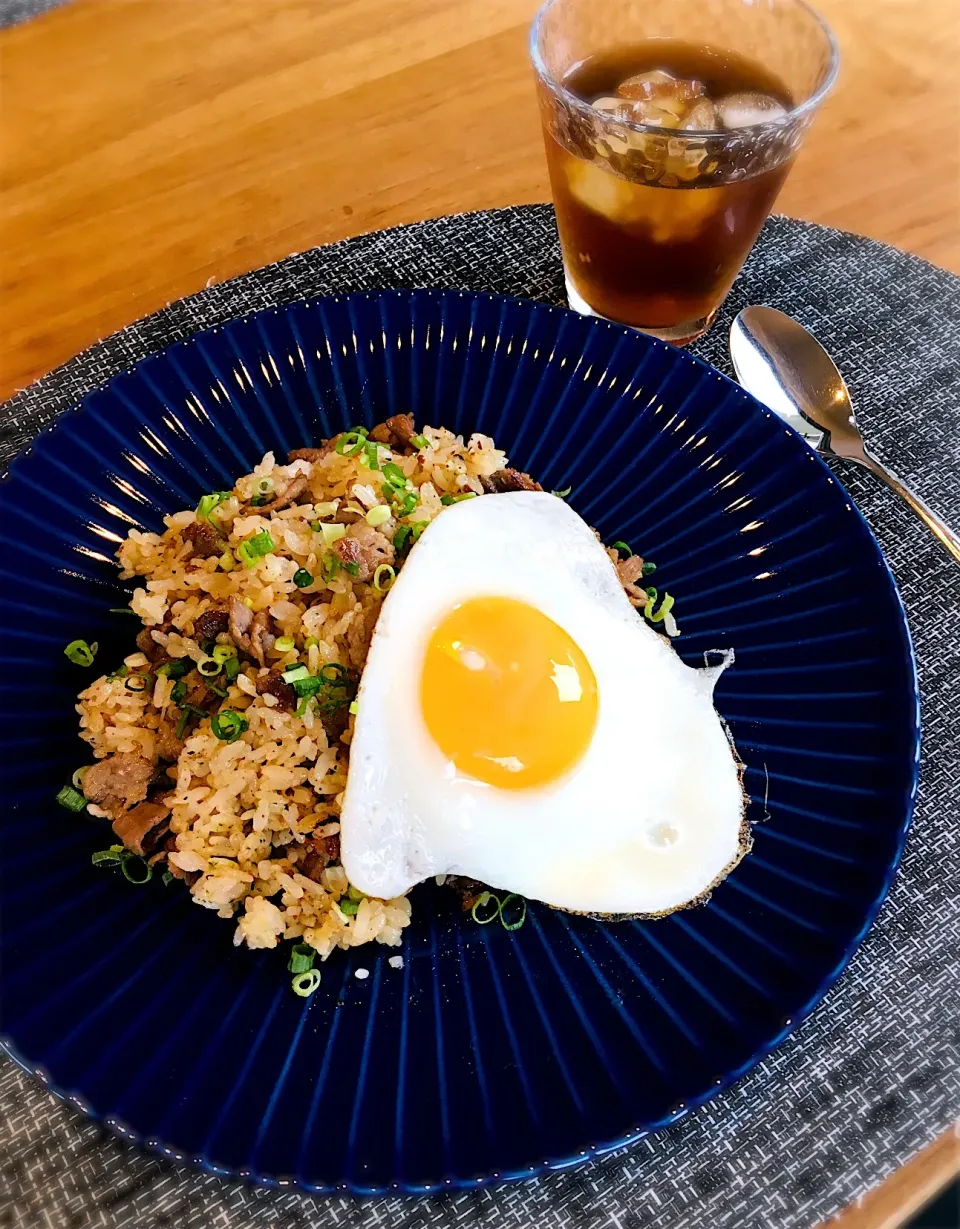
(873, 1075)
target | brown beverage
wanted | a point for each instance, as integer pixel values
(655, 226)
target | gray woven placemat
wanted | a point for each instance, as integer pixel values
(873, 1075)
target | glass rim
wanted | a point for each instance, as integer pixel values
(765, 126)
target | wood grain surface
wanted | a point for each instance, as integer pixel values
(152, 147)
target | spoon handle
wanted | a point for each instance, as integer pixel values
(926, 513)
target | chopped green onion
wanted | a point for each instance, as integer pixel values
(624, 550)
(294, 673)
(209, 667)
(78, 776)
(135, 870)
(394, 475)
(167, 878)
(356, 894)
(265, 486)
(331, 534)
(383, 577)
(418, 530)
(456, 499)
(228, 725)
(514, 925)
(141, 679)
(349, 907)
(172, 669)
(108, 857)
(371, 454)
(329, 567)
(325, 509)
(231, 668)
(226, 561)
(302, 578)
(665, 607)
(350, 443)
(123, 610)
(178, 691)
(400, 537)
(406, 505)
(258, 501)
(480, 905)
(254, 548)
(304, 984)
(302, 707)
(185, 712)
(352, 569)
(335, 675)
(378, 515)
(311, 642)
(562, 494)
(81, 653)
(419, 441)
(648, 567)
(209, 502)
(221, 652)
(121, 672)
(354, 708)
(301, 958)
(651, 593)
(283, 644)
(71, 798)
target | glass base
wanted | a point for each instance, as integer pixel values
(676, 334)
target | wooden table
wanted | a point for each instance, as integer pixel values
(152, 147)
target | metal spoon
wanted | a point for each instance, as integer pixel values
(786, 368)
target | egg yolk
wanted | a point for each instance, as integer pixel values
(506, 694)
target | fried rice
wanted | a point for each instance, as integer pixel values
(251, 819)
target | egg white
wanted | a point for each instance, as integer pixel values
(648, 819)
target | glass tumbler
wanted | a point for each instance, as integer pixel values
(656, 221)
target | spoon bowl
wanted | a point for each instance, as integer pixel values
(783, 365)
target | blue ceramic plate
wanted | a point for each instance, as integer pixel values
(490, 1054)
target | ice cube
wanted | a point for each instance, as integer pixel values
(600, 190)
(702, 117)
(748, 107)
(673, 94)
(645, 112)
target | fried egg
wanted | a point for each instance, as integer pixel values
(518, 722)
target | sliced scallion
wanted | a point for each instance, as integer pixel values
(515, 922)
(623, 548)
(378, 515)
(135, 870)
(123, 610)
(482, 913)
(137, 683)
(302, 578)
(108, 857)
(301, 958)
(172, 669)
(81, 653)
(331, 534)
(354, 708)
(350, 443)
(78, 776)
(304, 984)
(294, 673)
(383, 577)
(562, 494)
(265, 486)
(221, 652)
(419, 441)
(209, 667)
(648, 567)
(406, 504)
(456, 499)
(167, 878)
(255, 548)
(659, 615)
(231, 668)
(228, 725)
(71, 798)
(283, 644)
(349, 907)
(209, 502)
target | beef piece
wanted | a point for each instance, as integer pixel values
(321, 851)
(396, 432)
(313, 454)
(261, 636)
(198, 694)
(239, 622)
(203, 538)
(148, 646)
(509, 480)
(629, 572)
(118, 782)
(211, 623)
(359, 634)
(364, 547)
(274, 684)
(167, 847)
(334, 723)
(168, 745)
(142, 829)
(469, 890)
